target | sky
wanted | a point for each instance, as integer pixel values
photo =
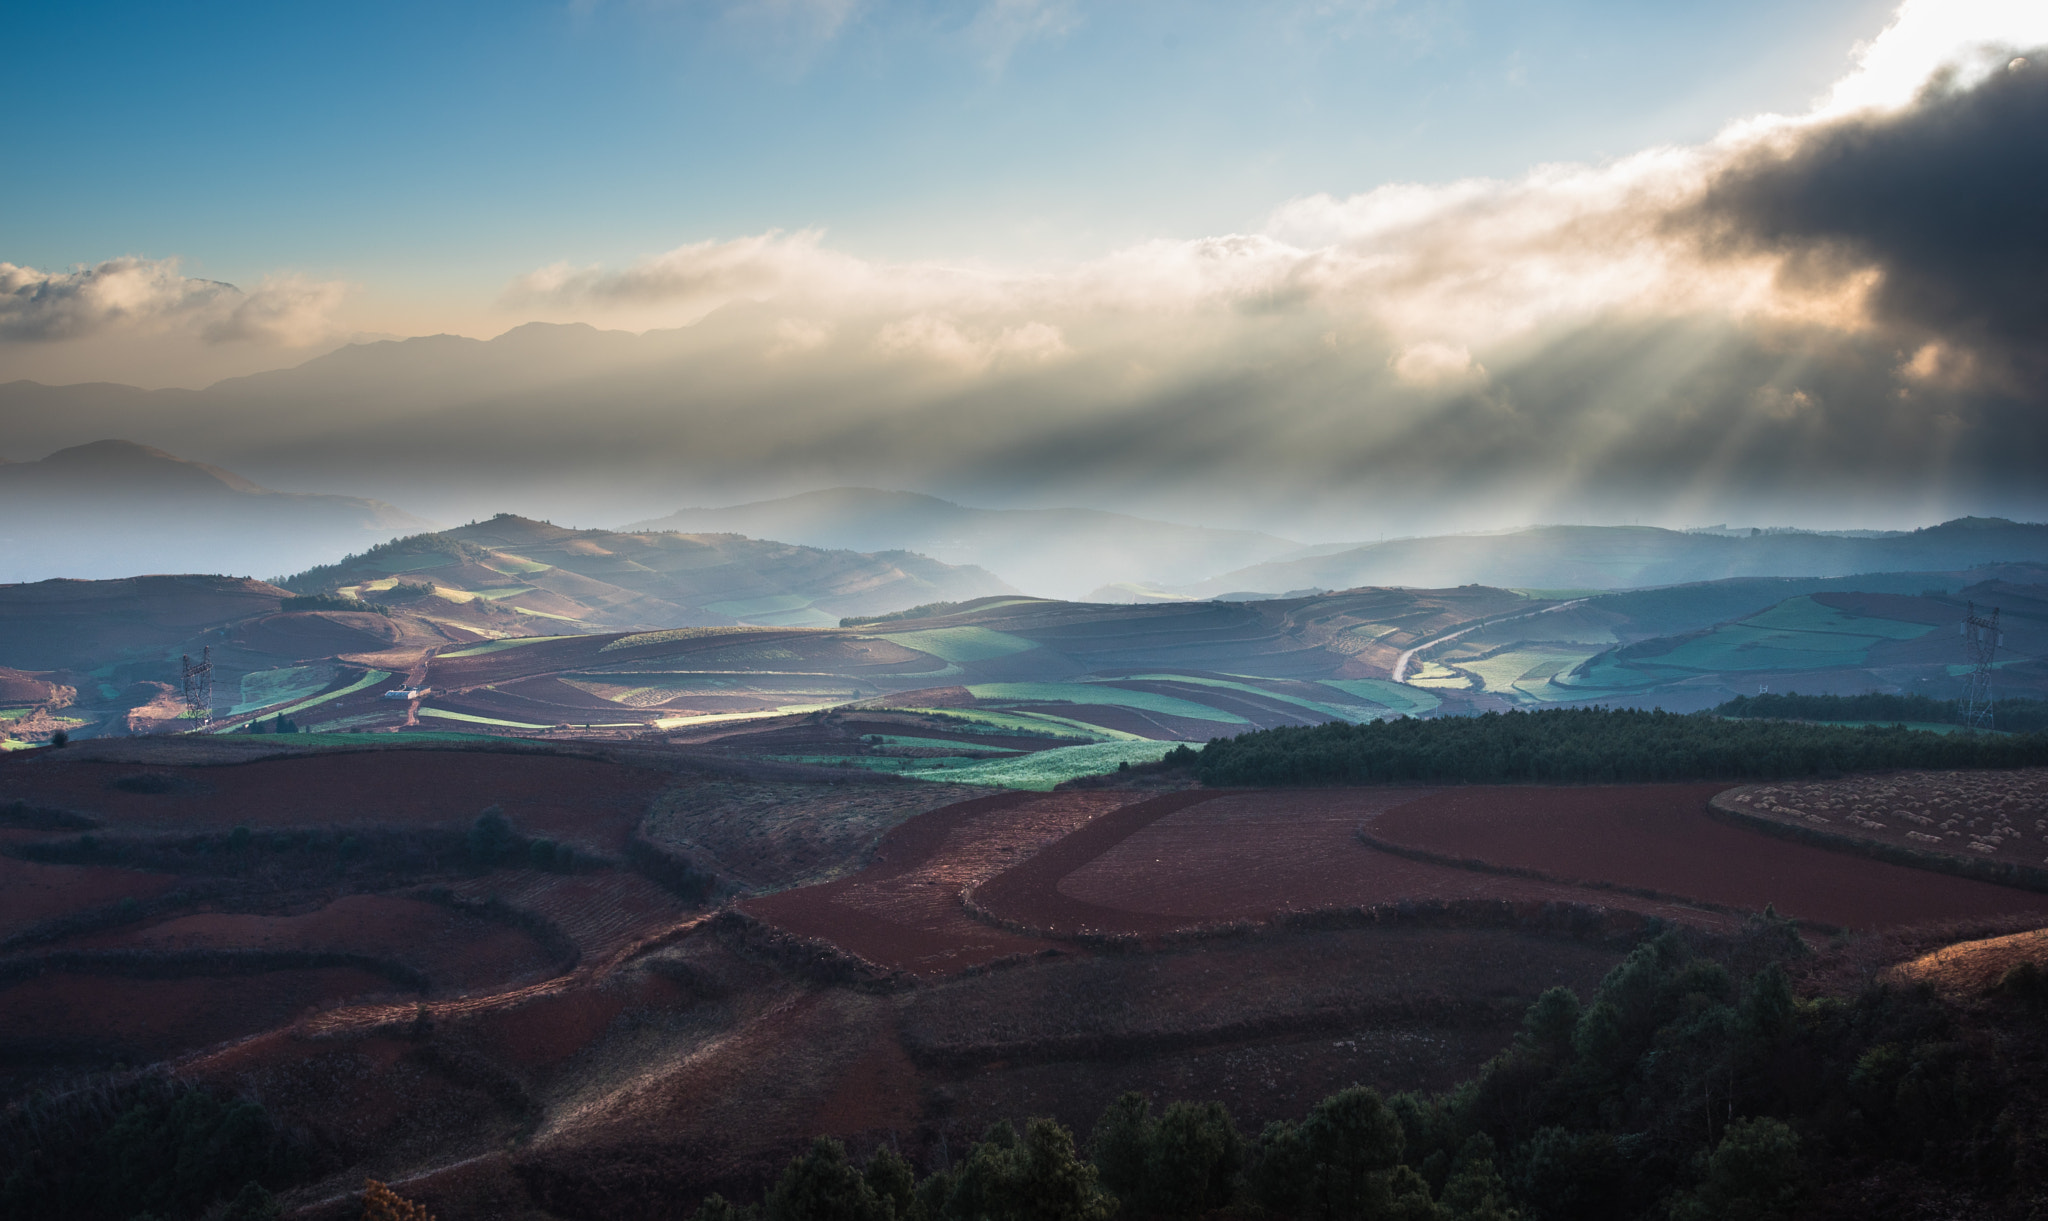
(1471, 263)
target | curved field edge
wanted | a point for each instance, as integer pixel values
(1999, 873)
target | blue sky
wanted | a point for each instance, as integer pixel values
(444, 147)
(1453, 263)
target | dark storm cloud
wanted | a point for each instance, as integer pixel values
(1947, 199)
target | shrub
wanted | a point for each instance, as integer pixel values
(380, 1203)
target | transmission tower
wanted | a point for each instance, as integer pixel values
(1981, 639)
(199, 686)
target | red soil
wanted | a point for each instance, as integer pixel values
(588, 802)
(601, 912)
(1198, 858)
(309, 634)
(1660, 837)
(147, 1019)
(904, 911)
(453, 949)
(31, 892)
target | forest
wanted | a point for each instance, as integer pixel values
(2008, 716)
(1588, 746)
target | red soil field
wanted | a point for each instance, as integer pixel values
(601, 912)
(147, 1019)
(32, 892)
(311, 634)
(590, 803)
(1198, 858)
(453, 950)
(903, 912)
(1660, 837)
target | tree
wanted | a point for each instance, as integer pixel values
(1342, 1162)
(490, 838)
(253, 1203)
(1039, 1177)
(1475, 1191)
(1194, 1160)
(892, 1180)
(1754, 1175)
(821, 1185)
(1120, 1145)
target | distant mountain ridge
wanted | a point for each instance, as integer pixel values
(1065, 553)
(1633, 557)
(116, 508)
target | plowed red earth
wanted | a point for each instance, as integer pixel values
(588, 802)
(453, 950)
(1660, 837)
(61, 1014)
(30, 893)
(904, 912)
(1198, 858)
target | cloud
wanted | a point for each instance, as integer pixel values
(1937, 205)
(1828, 303)
(136, 296)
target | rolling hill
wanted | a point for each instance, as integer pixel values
(1056, 553)
(1633, 557)
(515, 576)
(115, 508)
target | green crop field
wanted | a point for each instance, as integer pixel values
(515, 565)
(262, 688)
(890, 739)
(674, 634)
(775, 610)
(1806, 615)
(1042, 771)
(1102, 693)
(1397, 697)
(1341, 712)
(1795, 634)
(961, 644)
(541, 614)
(1436, 674)
(1526, 671)
(370, 678)
(1033, 722)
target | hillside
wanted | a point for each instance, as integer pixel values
(515, 576)
(114, 508)
(1054, 553)
(1633, 557)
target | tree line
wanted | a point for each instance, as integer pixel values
(2011, 715)
(1692, 1086)
(1586, 746)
